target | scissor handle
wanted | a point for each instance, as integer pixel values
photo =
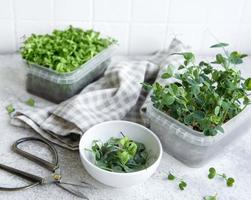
(52, 166)
(36, 180)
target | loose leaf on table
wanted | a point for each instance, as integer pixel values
(182, 185)
(230, 182)
(10, 109)
(170, 176)
(30, 102)
(212, 174)
(210, 197)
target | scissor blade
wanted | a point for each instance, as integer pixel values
(72, 191)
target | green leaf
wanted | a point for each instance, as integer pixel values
(246, 101)
(147, 86)
(170, 176)
(235, 57)
(221, 44)
(168, 99)
(168, 73)
(212, 173)
(210, 197)
(181, 67)
(220, 59)
(230, 182)
(188, 56)
(182, 185)
(247, 84)
(217, 110)
(10, 109)
(30, 102)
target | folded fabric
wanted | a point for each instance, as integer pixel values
(117, 95)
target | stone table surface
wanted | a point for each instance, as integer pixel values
(235, 160)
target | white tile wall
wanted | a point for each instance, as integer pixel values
(141, 26)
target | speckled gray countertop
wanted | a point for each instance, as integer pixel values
(235, 160)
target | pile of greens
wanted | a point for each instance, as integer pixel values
(120, 155)
(64, 51)
(203, 96)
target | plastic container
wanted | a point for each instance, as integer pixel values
(57, 87)
(189, 146)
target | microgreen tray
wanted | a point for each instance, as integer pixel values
(191, 147)
(57, 87)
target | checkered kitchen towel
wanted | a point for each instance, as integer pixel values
(117, 95)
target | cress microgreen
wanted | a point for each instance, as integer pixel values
(10, 109)
(212, 174)
(202, 96)
(64, 50)
(182, 184)
(120, 154)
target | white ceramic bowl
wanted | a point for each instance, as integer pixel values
(105, 131)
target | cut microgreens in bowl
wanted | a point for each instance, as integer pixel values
(203, 96)
(64, 51)
(120, 155)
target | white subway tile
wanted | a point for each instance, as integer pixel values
(217, 33)
(187, 11)
(5, 9)
(73, 9)
(65, 24)
(146, 38)
(244, 38)
(7, 37)
(150, 10)
(190, 34)
(118, 31)
(33, 9)
(224, 11)
(111, 10)
(246, 12)
(26, 28)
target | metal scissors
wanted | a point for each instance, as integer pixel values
(54, 177)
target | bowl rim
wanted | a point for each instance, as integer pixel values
(120, 173)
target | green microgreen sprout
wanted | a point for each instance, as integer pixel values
(203, 95)
(10, 109)
(64, 50)
(30, 102)
(182, 184)
(120, 155)
(214, 197)
(212, 174)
